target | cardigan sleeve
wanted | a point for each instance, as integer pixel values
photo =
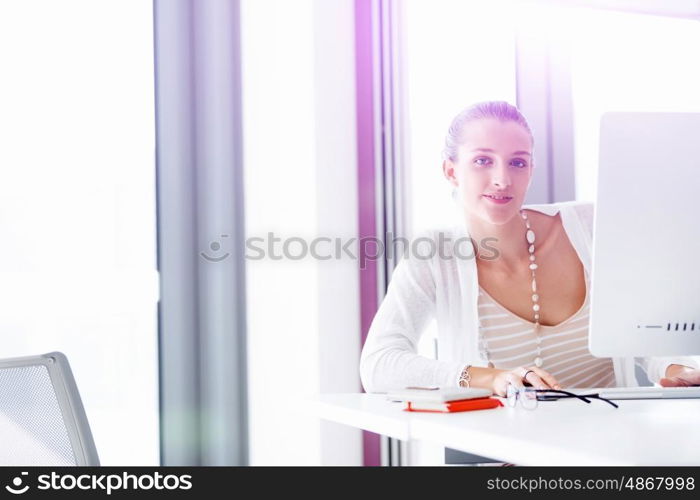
(654, 367)
(389, 357)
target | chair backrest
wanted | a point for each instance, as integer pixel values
(42, 419)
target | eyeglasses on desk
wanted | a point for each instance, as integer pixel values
(529, 396)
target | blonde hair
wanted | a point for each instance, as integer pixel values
(500, 110)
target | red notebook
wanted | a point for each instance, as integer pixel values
(454, 406)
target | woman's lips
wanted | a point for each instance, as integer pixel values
(501, 201)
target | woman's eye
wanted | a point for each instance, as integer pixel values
(484, 161)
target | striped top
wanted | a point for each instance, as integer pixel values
(511, 342)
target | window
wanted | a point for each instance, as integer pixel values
(650, 68)
(300, 170)
(454, 57)
(77, 207)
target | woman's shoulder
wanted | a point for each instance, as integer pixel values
(585, 211)
(438, 233)
(439, 241)
(562, 206)
(435, 251)
(581, 210)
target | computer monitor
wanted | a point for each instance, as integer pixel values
(645, 283)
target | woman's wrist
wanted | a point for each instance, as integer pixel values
(480, 377)
(465, 377)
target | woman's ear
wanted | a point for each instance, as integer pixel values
(448, 169)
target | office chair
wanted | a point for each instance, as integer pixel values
(42, 419)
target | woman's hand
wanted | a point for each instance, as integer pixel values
(536, 377)
(680, 376)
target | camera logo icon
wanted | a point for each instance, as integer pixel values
(215, 246)
(17, 483)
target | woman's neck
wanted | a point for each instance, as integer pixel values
(502, 247)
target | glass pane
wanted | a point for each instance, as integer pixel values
(454, 57)
(77, 207)
(303, 330)
(633, 63)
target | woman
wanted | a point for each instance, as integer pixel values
(518, 312)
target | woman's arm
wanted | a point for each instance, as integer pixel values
(389, 357)
(658, 368)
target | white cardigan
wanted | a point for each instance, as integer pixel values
(446, 287)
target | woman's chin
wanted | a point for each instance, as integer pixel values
(498, 213)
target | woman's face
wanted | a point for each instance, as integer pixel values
(494, 161)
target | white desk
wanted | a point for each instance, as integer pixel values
(566, 432)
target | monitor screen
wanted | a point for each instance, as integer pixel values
(645, 297)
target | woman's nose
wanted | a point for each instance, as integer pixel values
(500, 178)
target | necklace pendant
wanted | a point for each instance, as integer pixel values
(538, 362)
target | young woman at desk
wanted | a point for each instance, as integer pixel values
(518, 312)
